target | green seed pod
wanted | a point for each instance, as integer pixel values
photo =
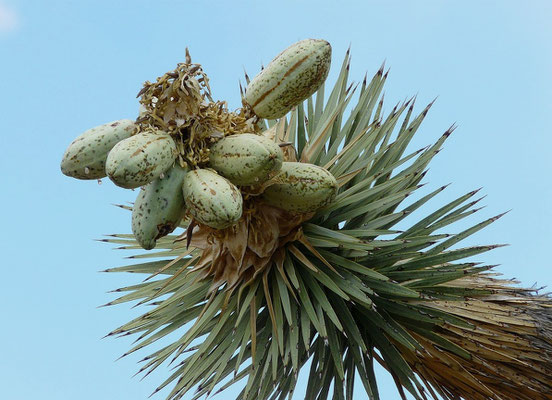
(86, 155)
(246, 159)
(303, 188)
(159, 208)
(294, 75)
(140, 159)
(211, 199)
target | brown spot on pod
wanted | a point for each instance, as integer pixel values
(164, 202)
(246, 159)
(86, 156)
(140, 159)
(301, 188)
(293, 76)
(216, 211)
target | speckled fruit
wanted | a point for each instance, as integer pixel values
(303, 188)
(85, 157)
(140, 159)
(294, 75)
(159, 208)
(246, 159)
(211, 199)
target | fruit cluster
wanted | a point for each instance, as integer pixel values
(133, 154)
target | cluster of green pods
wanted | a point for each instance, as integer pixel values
(212, 194)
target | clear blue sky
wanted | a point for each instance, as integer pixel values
(66, 66)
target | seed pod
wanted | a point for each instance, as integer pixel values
(86, 155)
(303, 188)
(211, 199)
(159, 208)
(140, 159)
(246, 159)
(294, 75)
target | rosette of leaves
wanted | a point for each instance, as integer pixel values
(342, 288)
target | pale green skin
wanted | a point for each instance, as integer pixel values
(140, 159)
(246, 159)
(212, 199)
(304, 188)
(86, 156)
(159, 208)
(293, 76)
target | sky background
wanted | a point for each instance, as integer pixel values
(67, 66)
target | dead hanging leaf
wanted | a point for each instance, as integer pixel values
(290, 153)
(237, 244)
(270, 133)
(510, 353)
(236, 254)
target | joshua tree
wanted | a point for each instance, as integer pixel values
(289, 250)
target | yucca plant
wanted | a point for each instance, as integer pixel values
(341, 287)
